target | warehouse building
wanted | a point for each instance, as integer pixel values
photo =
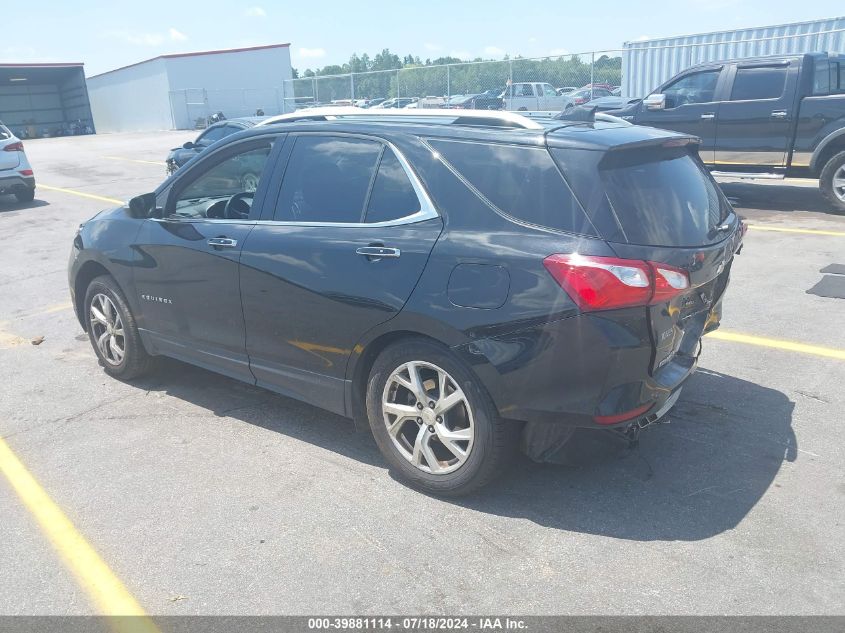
(44, 99)
(180, 91)
(646, 64)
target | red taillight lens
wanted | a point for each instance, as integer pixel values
(622, 417)
(25, 172)
(601, 283)
(668, 282)
(608, 283)
(14, 147)
(580, 100)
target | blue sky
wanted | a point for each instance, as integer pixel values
(108, 35)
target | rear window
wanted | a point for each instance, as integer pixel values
(663, 197)
(520, 182)
(764, 82)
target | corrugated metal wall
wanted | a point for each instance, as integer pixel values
(647, 64)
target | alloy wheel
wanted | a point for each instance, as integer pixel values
(428, 417)
(107, 329)
(839, 183)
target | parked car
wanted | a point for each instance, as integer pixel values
(534, 96)
(407, 274)
(605, 104)
(372, 103)
(774, 116)
(458, 102)
(397, 102)
(487, 100)
(565, 90)
(16, 175)
(180, 155)
(583, 96)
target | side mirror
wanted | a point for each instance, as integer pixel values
(655, 102)
(141, 206)
(188, 145)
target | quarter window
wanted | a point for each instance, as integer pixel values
(695, 88)
(327, 179)
(521, 182)
(762, 82)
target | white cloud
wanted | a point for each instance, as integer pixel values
(430, 46)
(139, 39)
(643, 38)
(313, 53)
(177, 36)
(255, 12)
(493, 51)
(556, 52)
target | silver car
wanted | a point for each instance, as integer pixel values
(16, 175)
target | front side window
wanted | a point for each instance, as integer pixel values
(695, 88)
(762, 82)
(211, 188)
(327, 179)
(520, 182)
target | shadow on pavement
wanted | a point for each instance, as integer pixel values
(688, 480)
(10, 203)
(777, 197)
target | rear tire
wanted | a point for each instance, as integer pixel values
(113, 332)
(25, 195)
(832, 181)
(466, 441)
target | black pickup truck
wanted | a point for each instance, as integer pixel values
(762, 117)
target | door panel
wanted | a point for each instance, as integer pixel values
(308, 298)
(189, 281)
(755, 127)
(190, 292)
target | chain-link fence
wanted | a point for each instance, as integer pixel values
(436, 85)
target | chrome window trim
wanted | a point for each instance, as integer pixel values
(427, 209)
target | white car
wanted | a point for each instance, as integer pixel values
(16, 174)
(533, 96)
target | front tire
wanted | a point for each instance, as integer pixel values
(113, 332)
(434, 422)
(832, 181)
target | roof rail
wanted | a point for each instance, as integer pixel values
(458, 117)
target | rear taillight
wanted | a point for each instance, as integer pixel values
(14, 147)
(608, 283)
(25, 172)
(580, 100)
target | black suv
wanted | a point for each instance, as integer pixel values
(456, 280)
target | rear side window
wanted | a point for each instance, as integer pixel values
(393, 196)
(663, 197)
(520, 182)
(327, 179)
(763, 82)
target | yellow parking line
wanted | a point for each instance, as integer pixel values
(92, 573)
(81, 194)
(779, 229)
(160, 163)
(791, 346)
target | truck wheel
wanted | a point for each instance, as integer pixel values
(832, 181)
